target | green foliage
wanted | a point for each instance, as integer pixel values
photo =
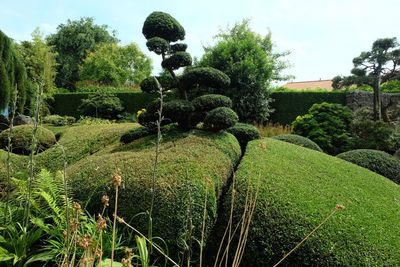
(158, 45)
(58, 120)
(135, 134)
(177, 60)
(101, 106)
(251, 64)
(297, 189)
(298, 140)
(68, 103)
(21, 139)
(209, 102)
(244, 133)
(149, 85)
(72, 42)
(326, 124)
(220, 119)
(205, 76)
(40, 63)
(163, 25)
(288, 105)
(115, 65)
(193, 166)
(12, 74)
(178, 111)
(392, 86)
(178, 47)
(371, 134)
(376, 161)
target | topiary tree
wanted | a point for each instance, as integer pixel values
(12, 74)
(162, 32)
(101, 106)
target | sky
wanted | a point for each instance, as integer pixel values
(323, 36)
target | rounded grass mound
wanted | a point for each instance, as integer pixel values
(193, 166)
(21, 139)
(297, 189)
(376, 161)
(298, 140)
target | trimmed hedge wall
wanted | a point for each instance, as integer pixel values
(68, 103)
(289, 105)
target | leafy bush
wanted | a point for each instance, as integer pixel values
(21, 139)
(58, 120)
(149, 84)
(244, 133)
(376, 161)
(157, 45)
(296, 190)
(101, 106)
(298, 140)
(178, 111)
(328, 125)
(220, 119)
(204, 76)
(163, 25)
(370, 134)
(135, 134)
(193, 166)
(209, 102)
(177, 60)
(93, 121)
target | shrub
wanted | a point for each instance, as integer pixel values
(157, 45)
(178, 111)
(244, 133)
(177, 60)
(397, 154)
(298, 140)
(204, 76)
(326, 124)
(209, 102)
(192, 166)
(297, 188)
(93, 121)
(21, 139)
(376, 161)
(163, 25)
(58, 120)
(135, 134)
(101, 106)
(220, 119)
(178, 47)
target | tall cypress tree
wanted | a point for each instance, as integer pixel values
(12, 74)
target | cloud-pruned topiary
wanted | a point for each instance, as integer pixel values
(21, 139)
(106, 106)
(210, 102)
(376, 161)
(298, 140)
(220, 118)
(244, 133)
(163, 25)
(160, 30)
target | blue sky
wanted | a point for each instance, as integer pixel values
(323, 36)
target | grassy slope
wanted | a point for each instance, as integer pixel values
(78, 142)
(298, 189)
(191, 165)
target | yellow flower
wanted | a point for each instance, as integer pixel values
(143, 110)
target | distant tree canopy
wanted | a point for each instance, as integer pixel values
(380, 64)
(12, 74)
(111, 64)
(72, 42)
(40, 63)
(251, 64)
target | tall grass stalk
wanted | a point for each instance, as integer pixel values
(336, 209)
(9, 149)
(203, 227)
(155, 165)
(39, 95)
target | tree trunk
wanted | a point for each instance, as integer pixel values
(377, 98)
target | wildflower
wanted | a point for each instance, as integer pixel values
(126, 262)
(76, 206)
(74, 224)
(128, 252)
(339, 207)
(105, 200)
(85, 242)
(101, 223)
(120, 220)
(143, 110)
(117, 179)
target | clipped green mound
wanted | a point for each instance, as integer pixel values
(78, 142)
(298, 188)
(298, 140)
(376, 161)
(192, 165)
(244, 133)
(21, 139)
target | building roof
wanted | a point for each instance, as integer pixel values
(325, 84)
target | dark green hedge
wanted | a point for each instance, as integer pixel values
(68, 103)
(289, 105)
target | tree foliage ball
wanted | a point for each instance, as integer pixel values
(205, 76)
(210, 102)
(177, 60)
(163, 25)
(220, 119)
(244, 133)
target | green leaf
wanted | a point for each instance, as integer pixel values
(5, 255)
(107, 263)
